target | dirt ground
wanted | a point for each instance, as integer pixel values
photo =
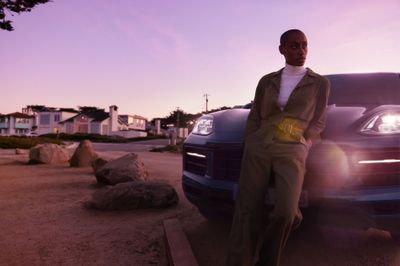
(42, 222)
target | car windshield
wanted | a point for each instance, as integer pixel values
(364, 89)
(367, 89)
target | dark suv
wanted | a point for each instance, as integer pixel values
(353, 171)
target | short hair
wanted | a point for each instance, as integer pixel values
(286, 34)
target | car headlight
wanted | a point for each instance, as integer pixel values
(203, 126)
(385, 123)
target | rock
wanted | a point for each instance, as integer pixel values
(20, 151)
(83, 155)
(98, 163)
(123, 169)
(48, 153)
(134, 195)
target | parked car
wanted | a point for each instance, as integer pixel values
(31, 134)
(354, 171)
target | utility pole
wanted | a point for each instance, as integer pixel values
(206, 95)
(177, 116)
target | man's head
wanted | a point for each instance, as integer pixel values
(294, 47)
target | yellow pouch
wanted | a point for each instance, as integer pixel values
(289, 130)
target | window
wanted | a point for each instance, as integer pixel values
(56, 117)
(3, 119)
(104, 130)
(44, 119)
(22, 120)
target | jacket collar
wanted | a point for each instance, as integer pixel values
(307, 79)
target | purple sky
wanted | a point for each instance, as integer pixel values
(149, 57)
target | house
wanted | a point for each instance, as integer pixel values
(88, 120)
(47, 121)
(134, 122)
(92, 120)
(16, 124)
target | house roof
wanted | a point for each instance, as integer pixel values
(42, 108)
(136, 116)
(97, 116)
(71, 110)
(19, 115)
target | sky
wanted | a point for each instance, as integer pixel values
(150, 57)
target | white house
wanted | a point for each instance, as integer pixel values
(93, 122)
(97, 121)
(47, 121)
(134, 122)
(16, 124)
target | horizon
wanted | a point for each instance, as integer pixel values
(148, 58)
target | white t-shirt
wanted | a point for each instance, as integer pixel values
(291, 76)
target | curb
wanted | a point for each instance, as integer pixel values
(178, 247)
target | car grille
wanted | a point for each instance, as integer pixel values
(223, 161)
(330, 166)
(195, 160)
(376, 174)
(216, 161)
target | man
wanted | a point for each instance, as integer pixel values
(287, 115)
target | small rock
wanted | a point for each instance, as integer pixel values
(98, 163)
(48, 153)
(20, 151)
(123, 169)
(134, 195)
(83, 155)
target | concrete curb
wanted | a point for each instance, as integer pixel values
(178, 247)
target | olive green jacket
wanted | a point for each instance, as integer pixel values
(306, 104)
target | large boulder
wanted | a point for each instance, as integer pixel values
(123, 169)
(134, 195)
(48, 153)
(83, 155)
(98, 163)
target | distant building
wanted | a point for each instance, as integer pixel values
(97, 121)
(48, 119)
(88, 120)
(134, 122)
(16, 124)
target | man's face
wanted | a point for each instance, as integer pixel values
(295, 49)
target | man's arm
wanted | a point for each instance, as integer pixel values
(253, 120)
(317, 123)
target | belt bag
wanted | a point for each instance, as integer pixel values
(289, 130)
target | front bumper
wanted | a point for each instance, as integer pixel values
(209, 195)
(377, 207)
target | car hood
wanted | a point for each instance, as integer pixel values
(343, 123)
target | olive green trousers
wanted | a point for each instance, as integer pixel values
(258, 237)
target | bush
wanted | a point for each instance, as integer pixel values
(97, 137)
(13, 142)
(169, 148)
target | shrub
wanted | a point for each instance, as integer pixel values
(97, 137)
(13, 142)
(169, 148)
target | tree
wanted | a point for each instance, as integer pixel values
(15, 6)
(89, 109)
